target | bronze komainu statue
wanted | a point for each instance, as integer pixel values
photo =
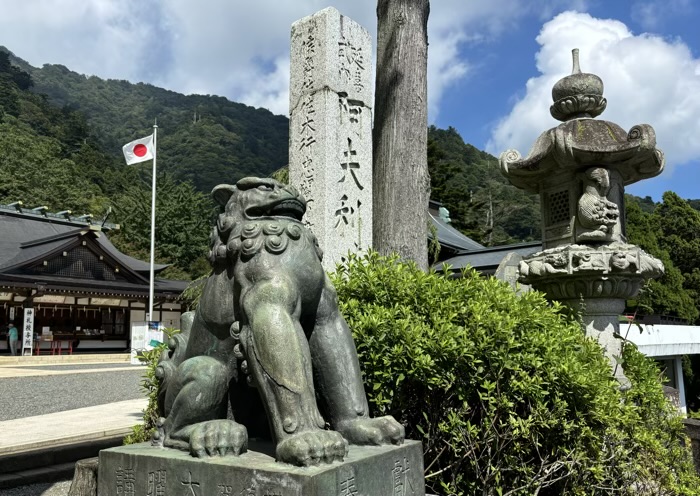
(268, 312)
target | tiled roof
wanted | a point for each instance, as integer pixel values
(451, 238)
(45, 234)
(488, 259)
(27, 238)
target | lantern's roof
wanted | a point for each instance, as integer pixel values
(581, 141)
(578, 144)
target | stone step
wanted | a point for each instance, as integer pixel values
(50, 464)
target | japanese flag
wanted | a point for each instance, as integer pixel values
(139, 150)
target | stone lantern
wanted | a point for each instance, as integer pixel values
(580, 169)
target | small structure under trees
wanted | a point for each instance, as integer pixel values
(83, 291)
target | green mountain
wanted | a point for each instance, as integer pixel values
(60, 145)
(47, 153)
(482, 203)
(201, 138)
(50, 156)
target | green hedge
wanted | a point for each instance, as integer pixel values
(505, 392)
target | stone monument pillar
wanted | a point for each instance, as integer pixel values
(330, 130)
(580, 169)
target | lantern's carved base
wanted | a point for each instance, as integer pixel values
(596, 281)
(573, 272)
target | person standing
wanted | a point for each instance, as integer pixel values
(14, 338)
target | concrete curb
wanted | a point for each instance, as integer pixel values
(15, 361)
(67, 441)
(69, 427)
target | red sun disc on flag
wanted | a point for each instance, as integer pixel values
(140, 150)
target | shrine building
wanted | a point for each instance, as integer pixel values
(84, 292)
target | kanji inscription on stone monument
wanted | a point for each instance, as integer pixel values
(330, 156)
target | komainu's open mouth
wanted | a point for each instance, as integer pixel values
(291, 208)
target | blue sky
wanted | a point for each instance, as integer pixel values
(491, 63)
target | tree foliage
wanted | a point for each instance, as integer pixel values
(47, 156)
(50, 156)
(659, 231)
(183, 216)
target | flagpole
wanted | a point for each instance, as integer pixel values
(149, 316)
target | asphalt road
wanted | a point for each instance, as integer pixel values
(47, 489)
(38, 395)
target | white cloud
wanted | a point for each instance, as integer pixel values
(232, 48)
(647, 80)
(271, 91)
(455, 23)
(241, 50)
(100, 37)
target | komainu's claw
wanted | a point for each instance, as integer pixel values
(372, 431)
(218, 438)
(312, 447)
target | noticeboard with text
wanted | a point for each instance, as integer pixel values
(144, 337)
(28, 332)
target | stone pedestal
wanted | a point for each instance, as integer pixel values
(601, 319)
(142, 469)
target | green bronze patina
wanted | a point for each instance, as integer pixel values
(269, 317)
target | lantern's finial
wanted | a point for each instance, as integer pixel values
(578, 95)
(576, 69)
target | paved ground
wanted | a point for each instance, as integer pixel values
(38, 392)
(47, 401)
(68, 426)
(80, 366)
(55, 489)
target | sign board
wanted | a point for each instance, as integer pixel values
(106, 301)
(12, 314)
(154, 336)
(144, 337)
(28, 332)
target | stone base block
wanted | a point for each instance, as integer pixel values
(142, 469)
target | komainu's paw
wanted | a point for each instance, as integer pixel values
(372, 431)
(308, 448)
(218, 438)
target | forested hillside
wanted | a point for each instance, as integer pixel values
(52, 156)
(482, 203)
(669, 230)
(205, 139)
